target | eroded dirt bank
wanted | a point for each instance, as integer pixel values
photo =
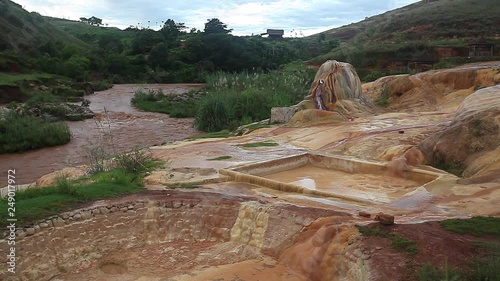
(118, 125)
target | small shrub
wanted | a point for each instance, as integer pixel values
(64, 186)
(383, 99)
(97, 159)
(101, 85)
(43, 97)
(134, 162)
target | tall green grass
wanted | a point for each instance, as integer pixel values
(235, 99)
(19, 133)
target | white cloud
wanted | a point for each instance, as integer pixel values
(243, 16)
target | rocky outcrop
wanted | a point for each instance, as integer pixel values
(433, 90)
(336, 88)
(57, 111)
(469, 145)
(327, 250)
(384, 219)
(282, 114)
(335, 81)
(68, 173)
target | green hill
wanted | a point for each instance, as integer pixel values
(413, 33)
(413, 38)
(22, 30)
(91, 33)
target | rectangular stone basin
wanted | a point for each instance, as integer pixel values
(332, 176)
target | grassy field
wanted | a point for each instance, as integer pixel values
(38, 203)
(122, 176)
(475, 226)
(11, 79)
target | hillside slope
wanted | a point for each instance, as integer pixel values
(435, 20)
(414, 31)
(90, 33)
(22, 30)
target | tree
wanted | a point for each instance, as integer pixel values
(76, 66)
(110, 43)
(145, 40)
(216, 26)
(95, 21)
(159, 56)
(171, 30)
(117, 64)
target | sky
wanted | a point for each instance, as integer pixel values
(246, 17)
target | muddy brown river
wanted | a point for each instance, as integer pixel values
(118, 126)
